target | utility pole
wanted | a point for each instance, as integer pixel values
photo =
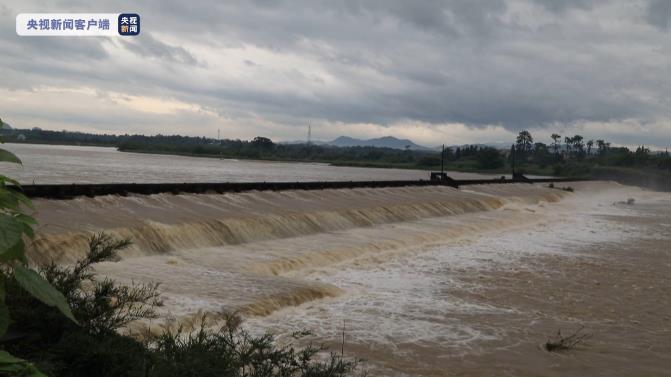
(442, 162)
(513, 151)
(219, 141)
(309, 133)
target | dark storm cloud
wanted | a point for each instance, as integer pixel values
(451, 58)
(147, 46)
(659, 13)
(564, 5)
(515, 63)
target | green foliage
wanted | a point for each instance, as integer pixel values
(264, 148)
(572, 169)
(6, 156)
(574, 157)
(13, 366)
(262, 142)
(101, 306)
(10, 232)
(4, 310)
(524, 142)
(490, 158)
(96, 348)
(40, 288)
(592, 158)
(231, 351)
(44, 336)
(15, 226)
(258, 148)
(78, 353)
(429, 161)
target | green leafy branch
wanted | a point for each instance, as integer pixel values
(16, 226)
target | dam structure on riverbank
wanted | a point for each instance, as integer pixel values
(68, 191)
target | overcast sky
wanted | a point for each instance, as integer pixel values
(453, 72)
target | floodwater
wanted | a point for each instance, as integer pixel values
(423, 281)
(74, 164)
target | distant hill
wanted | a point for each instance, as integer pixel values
(381, 142)
(6, 126)
(289, 142)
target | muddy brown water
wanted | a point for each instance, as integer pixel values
(427, 281)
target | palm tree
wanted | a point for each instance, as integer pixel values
(555, 145)
(569, 144)
(578, 144)
(590, 144)
(600, 144)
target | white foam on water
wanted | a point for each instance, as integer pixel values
(381, 260)
(403, 299)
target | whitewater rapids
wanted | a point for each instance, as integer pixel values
(386, 260)
(239, 252)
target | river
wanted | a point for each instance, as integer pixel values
(75, 164)
(423, 281)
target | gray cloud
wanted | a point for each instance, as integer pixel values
(659, 13)
(147, 46)
(564, 5)
(514, 63)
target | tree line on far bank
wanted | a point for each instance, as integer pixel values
(578, 156)
(263, 148)
(564, 155)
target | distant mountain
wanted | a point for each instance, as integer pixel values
(315, 142)
(394, 143)
(381, 142)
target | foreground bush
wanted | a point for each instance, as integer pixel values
(57, 346)
(16, 227)
(233, 352)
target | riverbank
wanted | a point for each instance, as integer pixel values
(463, 166)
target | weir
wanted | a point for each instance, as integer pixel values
(258, 244)
(65, 191)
